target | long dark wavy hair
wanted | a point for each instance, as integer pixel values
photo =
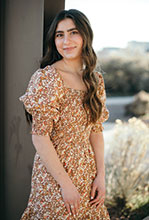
(90, 78)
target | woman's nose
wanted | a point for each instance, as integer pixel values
(66, 39)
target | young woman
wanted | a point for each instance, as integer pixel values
(65, 101)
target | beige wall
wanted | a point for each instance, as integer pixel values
(24, 22)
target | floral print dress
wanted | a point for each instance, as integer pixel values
(57, 112)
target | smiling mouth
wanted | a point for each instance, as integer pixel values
(69, 48)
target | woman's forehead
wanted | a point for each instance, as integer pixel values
(65, 24)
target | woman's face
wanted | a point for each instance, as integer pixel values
(68, 40)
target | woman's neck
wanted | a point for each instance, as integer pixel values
(71, 66)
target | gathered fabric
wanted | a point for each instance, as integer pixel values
(57, 112)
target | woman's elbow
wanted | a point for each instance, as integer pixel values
(36, 139)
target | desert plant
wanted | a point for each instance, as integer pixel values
(126, 164)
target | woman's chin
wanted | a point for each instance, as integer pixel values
(71, 57)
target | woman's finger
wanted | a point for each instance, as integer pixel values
(93, 190)
(68, 208)
(100, 203)
(76, 208)
(73, 210)
(96, 199)
(78, 203)
(96, 203)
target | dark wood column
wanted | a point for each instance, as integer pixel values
(51, 8)
(23, 24)
(2, 144)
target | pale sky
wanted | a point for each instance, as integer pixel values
(115, 22)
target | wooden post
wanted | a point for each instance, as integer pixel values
(21, 39)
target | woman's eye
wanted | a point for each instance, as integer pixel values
(59, 35)
(74, 32)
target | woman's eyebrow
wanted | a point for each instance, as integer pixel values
(71, 29)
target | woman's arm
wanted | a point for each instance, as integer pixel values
(50, 159)
(97, 143)
(98, 186)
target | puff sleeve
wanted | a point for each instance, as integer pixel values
(98, 127)
(41, 100)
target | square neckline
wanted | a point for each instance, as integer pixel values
(73, 89)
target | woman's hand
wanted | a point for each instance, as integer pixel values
(98, 191)
(71, 198)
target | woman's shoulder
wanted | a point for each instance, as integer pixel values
(44, 87)
(46, 77)
(99, 75)
(100, 79)
(45, 82)
(47, 73)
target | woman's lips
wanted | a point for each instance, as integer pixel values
(69, 48)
